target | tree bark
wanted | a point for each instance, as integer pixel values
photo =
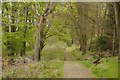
(119, 27)
(117, 19)
(39, 39)
(91, 37)
(82, 26)
(113, 43)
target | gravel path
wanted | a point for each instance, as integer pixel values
(72, 69)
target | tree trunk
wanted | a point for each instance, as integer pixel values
(84, 44)
(113, 43)
(91, 38)
(119, 27)
(11, 46)
(24, 34)
(82, 26)
(84, 22)
(98, 27)
(39, 39)
(117, 19)
(13, 27)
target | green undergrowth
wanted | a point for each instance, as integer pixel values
(107, 68)
(76, 54)
(42, 69)
(54, 51)
(50, 66)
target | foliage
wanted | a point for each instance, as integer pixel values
(77, 54)
(101, 43)
(13, 41)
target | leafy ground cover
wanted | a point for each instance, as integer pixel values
(50, 69)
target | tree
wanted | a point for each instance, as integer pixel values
(117, 19)
(82, 28)
(39, 43)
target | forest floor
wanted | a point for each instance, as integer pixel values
(72, 69)
(74, 65)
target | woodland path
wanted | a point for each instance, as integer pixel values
(72, 69)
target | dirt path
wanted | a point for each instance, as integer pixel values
(75, 70)
(67, 55)
(72, 69)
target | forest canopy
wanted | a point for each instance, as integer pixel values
(92, 26)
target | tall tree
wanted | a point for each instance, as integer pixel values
(39, 43)
(24, 31)
(117, 19)
(82, 26)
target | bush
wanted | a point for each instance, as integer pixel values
(77, 54)
(101, 43)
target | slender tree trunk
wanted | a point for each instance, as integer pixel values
(39, 39)
(82, 26)
(84, 21)
(84, 43)
(24, 34)
(13, 27)
(11, 46)
(117, 19)
(98, 27)
(113, 43)
(119, 27)
(91, 38)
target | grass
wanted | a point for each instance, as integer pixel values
(42, 69)
(108, 68)
(54, 51)
(55, 71)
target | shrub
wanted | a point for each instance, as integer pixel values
(101, 43)
(77, 54)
